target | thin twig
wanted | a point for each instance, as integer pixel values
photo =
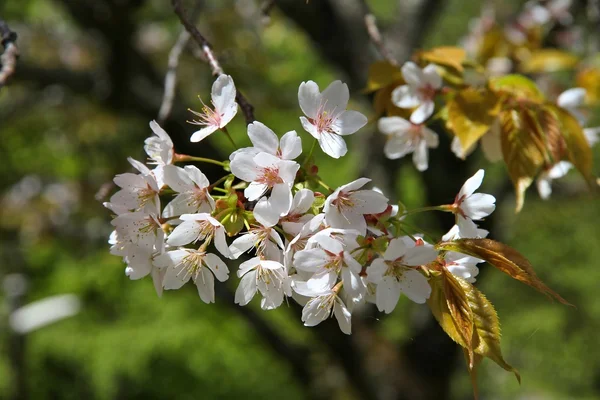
(265, 10)
(375, 34)
(212, 60)
(171, 76)
(8, 60)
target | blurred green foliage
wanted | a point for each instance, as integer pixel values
(126, 343)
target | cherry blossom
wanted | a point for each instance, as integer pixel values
(419, 91)
(469, 206)
(223, 100)
(461, 265)
(404, 137)
(142, 228)
(293, 222)
(545, 178)
(199, 227)
(266, 141)
(192, 186)
(264, 239)
(267, 277)
(265, 171)
(160, 146)
(346, 207)
(182, 264)
(332, 258)
(327, 119)
(395, 274)
(322, 305)
(137, 190)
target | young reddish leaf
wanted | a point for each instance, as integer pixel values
(549, 60)
(523, 148)
(518, 87)
(471, 112)
(460, 311)
(446, 56)
(503, 257)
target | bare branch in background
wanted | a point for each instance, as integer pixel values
(247, 108)
(375, 34)
(8, 60)
(171, 76)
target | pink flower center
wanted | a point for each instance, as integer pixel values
(343, 202)
(270, 176)
(207, 117)
(427, 92)
(324, 119)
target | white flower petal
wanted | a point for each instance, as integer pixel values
(223, 93)
(472, 184)
(333, 145)
(343, 316)
(309, 98)
(255, 190)
(387, 294)
(421, 156)
(405, 97)
(291, 145)
(431, 76)
(205, 282)
(217, 266)
(263, 138)
(571, 98)
(246, 289)
(423, 112)
(185, 233)
(349, 122)
(334, 98)
(203, 133)
(415, 286)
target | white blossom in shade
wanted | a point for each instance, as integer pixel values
(224, 109)
(456, 233)
(347, 206)
(266, 141)
(299, 242)
(404, 138)
(265, 171)
(140, 264)
(137, 190)
(192, 187)
(395, 273)
(182, 264)
(462, 265)
(159, 147)
(327, 119)
(295, 219)
(545, 178)
(264, 239)
(199, 227)
(267, 277)
(592, 135)
(322, 305)
(332, 258)
(142, 228)
(419, 91)
(571, 100)
(469, 206)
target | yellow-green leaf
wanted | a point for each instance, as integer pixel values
(518, 86)
(471, 112)
(523, 148)
(486, 341)
(504, 258)
(439, 308)
(549, 60)
(446, 56)
(579, 152)
(589, 79)
(382, 74)
(460, 311)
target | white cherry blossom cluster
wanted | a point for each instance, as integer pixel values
(328, 251)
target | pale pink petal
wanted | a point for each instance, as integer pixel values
(398, 146)
(405, 97)
(423, 112)
(309, 98)
(368, 202)
(393, 125)
(203, 133)
(412, 74)
(349, 122)
(431, 76)
(310, 127)
(421, 156)
(415, 286)
(291, 145)
(335, 97)
(333, 145)
(223, 93)
(263, 138)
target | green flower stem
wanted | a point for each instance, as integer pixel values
(235, 146)
(214, 185)
(320, 182)
(424, 209)
(310, 152)
(218, 189)
(185, 157)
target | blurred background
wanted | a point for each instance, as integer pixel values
(90, 78)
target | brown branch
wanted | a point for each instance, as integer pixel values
(212, 60)
(171, 76)
(8, 59)
(375, 34)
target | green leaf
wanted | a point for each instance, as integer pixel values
(518, 87)
(504, 258)
(446, 56)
